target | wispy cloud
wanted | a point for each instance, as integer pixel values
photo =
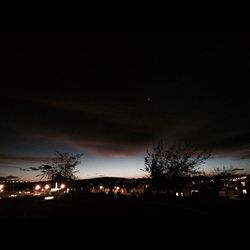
(17, 159)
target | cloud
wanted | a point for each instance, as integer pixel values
(6, 159)
(125, 127)
(109, 148)
(93, 96)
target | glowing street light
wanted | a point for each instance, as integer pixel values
(37, 187)
(63, 186)
(47, 186)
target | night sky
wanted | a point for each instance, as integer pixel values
(110, 91)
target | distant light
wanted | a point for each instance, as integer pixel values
(243, 183)
(117, 188)
(101, 187)
(195, 191)
(13, 195)
(177, 194)
(244, 191)
(63, 186)
(1, 187)
(239, 178)
(37, 187)
(47, 186)
(49, 198)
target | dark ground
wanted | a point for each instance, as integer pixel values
(97, 208)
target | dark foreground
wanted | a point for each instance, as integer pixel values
(94, 208)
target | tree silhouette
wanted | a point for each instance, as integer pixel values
(170, 165)
(61, 167)
(226, 172)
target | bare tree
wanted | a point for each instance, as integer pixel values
(226, 172)
(61, 167)
(168, 165)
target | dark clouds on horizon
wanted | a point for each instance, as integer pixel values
(10, 159)
(114, 93)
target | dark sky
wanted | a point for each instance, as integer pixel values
(110, 91)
